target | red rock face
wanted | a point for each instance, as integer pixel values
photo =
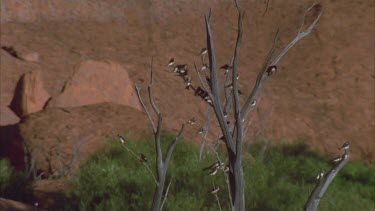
(323, 90)
(58, 139)
(97, 82)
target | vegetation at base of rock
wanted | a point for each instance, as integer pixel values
(281, 178)
(13, 184)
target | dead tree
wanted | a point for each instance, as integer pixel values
(323, 181)
(162, 162)
(233, 134)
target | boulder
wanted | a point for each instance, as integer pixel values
(57, 139)
(29, 95)
(97, 82)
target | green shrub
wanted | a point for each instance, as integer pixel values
(280, 179)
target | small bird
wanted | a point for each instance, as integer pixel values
(200, 131)
(254, 103)
(213, 172)
(192, 121)
(204, 67)
(226, 67)
(238, 76)
(345, 146)
(225, 114)
(203, 51)
(271, 69)
(337, 159)
(143, 157)
(214, 190)
(208, 80)
(187, 79)
(121, 139)
(213, 166)
(226, 169)
(171, 62)
(320, 175)
(175, 70)
(240, 92)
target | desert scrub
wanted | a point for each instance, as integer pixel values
(281, 178)
(13, 184)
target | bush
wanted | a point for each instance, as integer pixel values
(280, 179)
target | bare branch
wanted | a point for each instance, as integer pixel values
(228, 95)
(150, 90)
(166, 194)
(226, 176)
(235, 86)
(215, 87)
(323, 183)
(159, 153)
(144, 163)
(208, 91)
(205, 131)
(172, 146)
(301, 34)
(218, 201)
(259, 82)
(138, 90)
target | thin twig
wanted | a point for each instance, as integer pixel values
(166, 194)
(144, 163)
(218, 201)
(225, 175)
(208, 91)
(172, 146)
(205, 131)
(260, 80)
(150, 90)
(301, 34)
(138, 90)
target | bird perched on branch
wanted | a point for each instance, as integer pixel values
(345, 146)
(171, 62)
(121, 139)
(143, 157)
(213, 171)
(203, 51)
(214, 190)
(227, 68)
(254, 103)
(320, 175)
(191, 121)
(271, 70)
(200, 131)
(337, 159)
(204, 67)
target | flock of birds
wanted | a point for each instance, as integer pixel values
(182, 71)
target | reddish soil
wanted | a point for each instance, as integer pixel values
(323, 91)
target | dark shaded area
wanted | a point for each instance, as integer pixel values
(11, 51)
(15, 104)
(11, 147)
